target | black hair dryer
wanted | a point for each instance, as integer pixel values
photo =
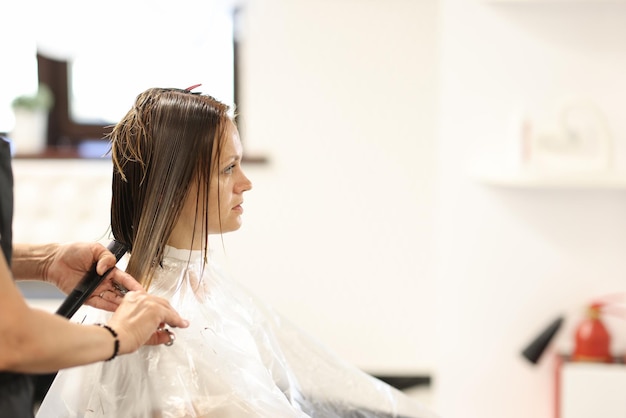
(538, 345)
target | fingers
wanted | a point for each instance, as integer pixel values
(110, 300)
(162, 336)
(112, 296)
(108, 295)
(168, 314)
(142, 318)
(172, 317)
(171, 337)
(106, 261)
(105, 300)
(105, 258)
(124, 280)
(105, 305)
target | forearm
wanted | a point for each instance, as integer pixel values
(30, 261)
(35, 341)
(38, 342)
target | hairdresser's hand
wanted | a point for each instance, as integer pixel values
(140, 319)
(68, 263)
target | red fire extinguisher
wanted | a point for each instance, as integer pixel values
(592, 339)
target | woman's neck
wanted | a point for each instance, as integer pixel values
(183, 237)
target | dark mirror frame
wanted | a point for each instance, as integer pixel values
(63, 131)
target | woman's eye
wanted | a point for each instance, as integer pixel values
(229, 169)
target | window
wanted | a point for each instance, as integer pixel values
(95, 84)
(19, 75)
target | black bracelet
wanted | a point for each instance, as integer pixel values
(116, 346)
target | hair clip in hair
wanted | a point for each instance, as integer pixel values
(188, 89)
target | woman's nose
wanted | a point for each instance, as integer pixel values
(245, 184)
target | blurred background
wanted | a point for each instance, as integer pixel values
(434, 180)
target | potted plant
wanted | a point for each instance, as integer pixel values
(31, 120)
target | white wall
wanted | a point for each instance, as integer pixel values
(341, 96)
(510, 260)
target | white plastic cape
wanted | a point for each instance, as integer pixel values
(238, 358)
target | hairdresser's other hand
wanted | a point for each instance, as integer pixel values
(68, 263)
(140, 319)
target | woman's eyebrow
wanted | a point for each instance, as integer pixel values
(232, 158)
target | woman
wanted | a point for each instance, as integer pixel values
(178, 178)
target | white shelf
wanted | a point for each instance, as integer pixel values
(552, 180)
(554, 1)
(591, 390)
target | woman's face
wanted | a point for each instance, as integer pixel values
(229, 182)
(225, 198)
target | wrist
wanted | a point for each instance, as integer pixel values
(32, 262)
(116, 342)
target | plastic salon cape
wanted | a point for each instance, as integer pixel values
(237, 358)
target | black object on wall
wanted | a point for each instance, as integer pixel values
(536, 348)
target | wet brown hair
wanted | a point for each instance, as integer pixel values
(168, 139)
